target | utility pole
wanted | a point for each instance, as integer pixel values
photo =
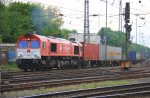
(127, 27)
(106, 12)
(120, 20)
(136, 27)
(86, 21)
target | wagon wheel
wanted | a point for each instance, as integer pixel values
(25, 69)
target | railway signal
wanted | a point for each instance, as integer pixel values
(127, 26)
(127, 13)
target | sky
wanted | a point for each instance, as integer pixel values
(73, 11)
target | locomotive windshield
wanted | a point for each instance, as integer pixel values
(34, 44)
(23, 44)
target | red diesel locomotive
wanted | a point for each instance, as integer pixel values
(41, 52)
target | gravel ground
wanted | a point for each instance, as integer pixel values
(139, 80)
(13, 95)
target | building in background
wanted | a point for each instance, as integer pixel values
(79, 37)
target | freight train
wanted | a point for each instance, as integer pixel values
(37, 52)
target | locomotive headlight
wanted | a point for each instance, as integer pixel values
(35, 55)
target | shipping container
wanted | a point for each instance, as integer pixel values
(138, 56)
(132, 55)
(102, 52)
(113, 53)
(91, 51)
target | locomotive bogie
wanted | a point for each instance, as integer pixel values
(31, 64)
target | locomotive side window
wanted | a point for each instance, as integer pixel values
(76, 49)
(53, 47)
(23, 44)
(34, 44)
(43, 45)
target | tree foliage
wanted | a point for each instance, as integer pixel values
(65, 32)
(3, 24)
(116, 38)
(17, 18)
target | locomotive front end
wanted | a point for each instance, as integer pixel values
(28, 52)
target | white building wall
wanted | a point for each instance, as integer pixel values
(79, 37)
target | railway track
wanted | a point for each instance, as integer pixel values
(62, 74)
(111, 68)
(124, 91)
(54, 76)
(61, 82)
(31, 80)
(68, 74)
(11, 74)
(16, 75)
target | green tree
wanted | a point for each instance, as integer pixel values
(3, 23)
(0, 38)
(18, 20)
(114, 38)
(65, 32)
(27, 17)
(47, 22)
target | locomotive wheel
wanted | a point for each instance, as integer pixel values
(44, 69)
(59, 65)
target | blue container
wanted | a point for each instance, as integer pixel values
(132, 55)
(11, 56)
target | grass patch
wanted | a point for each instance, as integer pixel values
(43, 90)
(10, 67)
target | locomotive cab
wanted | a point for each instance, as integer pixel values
(28, 51)
(28, 48)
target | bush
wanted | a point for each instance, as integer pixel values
(10, 67)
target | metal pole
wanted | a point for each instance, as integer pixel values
(136, 28)
(121, 13)
(86, 21)
(127, 43)
(106, 13)
(120, 21)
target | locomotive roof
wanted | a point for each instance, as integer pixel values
(54, 39)
(51, 39)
